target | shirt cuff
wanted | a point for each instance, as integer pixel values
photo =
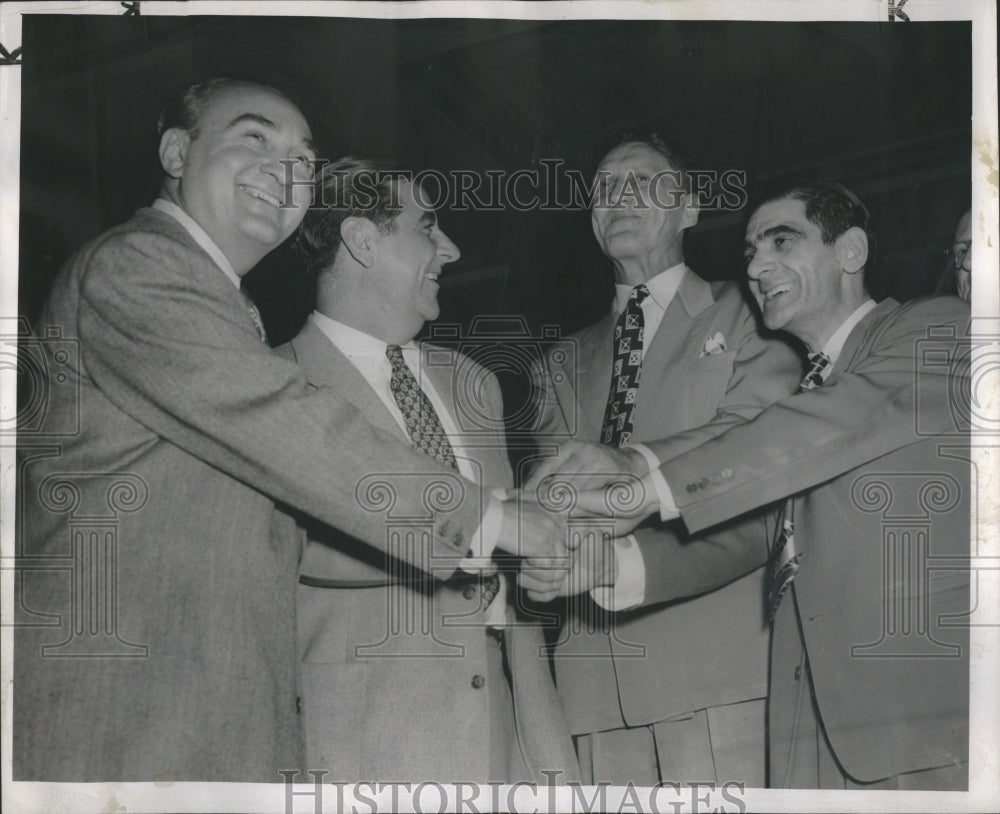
(629, 589)
(668, 506)
(484, 541)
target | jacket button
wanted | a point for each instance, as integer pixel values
(478, 681)
(798, 672)
(469, 591)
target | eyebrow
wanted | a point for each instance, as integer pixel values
(256, 118)
(780, 229)
(253, 117)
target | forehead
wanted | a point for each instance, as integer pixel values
(228, 103)
(633, 154)
(782, 212)
(414, 203)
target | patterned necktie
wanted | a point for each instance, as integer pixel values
(784, 562)
(254, 315)
(424, 427)
(422, 422)
(625, 371)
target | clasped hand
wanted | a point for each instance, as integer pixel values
(568, 513)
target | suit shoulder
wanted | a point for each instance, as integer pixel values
(148, 237)
(931, 309)
(924, 316)
(731, 294)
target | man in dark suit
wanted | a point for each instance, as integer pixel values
(161, 596)
(641, 714)
(405, 677)
(868, 583)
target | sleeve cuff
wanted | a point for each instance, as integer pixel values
(668, 506)
(629, 589)
(484, 541)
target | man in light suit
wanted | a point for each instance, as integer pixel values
(869, 573)
(434, 703)
(640, 712)
(159, 640)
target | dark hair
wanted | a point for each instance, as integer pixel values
(348, 188)
(833, 208)
(184, 108)
(675, 154)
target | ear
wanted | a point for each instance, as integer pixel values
(173, 151)
(691, 209)
(358, 237)
(852, 250)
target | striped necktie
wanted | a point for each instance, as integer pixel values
(625, 372)
(784, 560)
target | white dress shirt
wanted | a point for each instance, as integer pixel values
(662, 288)
(200, 237)
(367, 354)
(630, 588)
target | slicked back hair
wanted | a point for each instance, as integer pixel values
(184, 109)
(346, 188)
(834, 209)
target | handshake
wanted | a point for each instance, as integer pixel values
(565, 518)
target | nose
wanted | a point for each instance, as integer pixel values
(757, 266)
(447, 251)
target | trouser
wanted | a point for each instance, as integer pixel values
(719, 744)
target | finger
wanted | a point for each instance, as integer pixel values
(593, 501)
(559, 562)
(548, 466)
(541, 582)
(542, 596)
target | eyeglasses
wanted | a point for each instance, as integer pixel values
(960, 254)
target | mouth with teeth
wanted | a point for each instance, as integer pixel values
(777, 291)
(260, 195)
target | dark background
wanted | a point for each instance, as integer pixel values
(884, 108)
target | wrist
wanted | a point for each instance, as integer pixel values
(638, 465)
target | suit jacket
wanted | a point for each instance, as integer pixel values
(634, 675)
(880, 458)
(147, 503)
(389, 656)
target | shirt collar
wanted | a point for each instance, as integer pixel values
(350, 341)
(835, 344)
(200, 237)
(662, 288)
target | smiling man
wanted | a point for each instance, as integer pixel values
(149, 540)
(868, 581)
(444, 701)
(674, 354)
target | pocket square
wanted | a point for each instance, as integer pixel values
(713, 345)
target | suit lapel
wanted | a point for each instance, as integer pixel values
(487, 449)
(325, 366)
(674, 347)
(857, 339)
(588, 385)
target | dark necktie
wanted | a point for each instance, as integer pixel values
(254, 315)
(784, 560)
(625, 371)
(424, 427)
